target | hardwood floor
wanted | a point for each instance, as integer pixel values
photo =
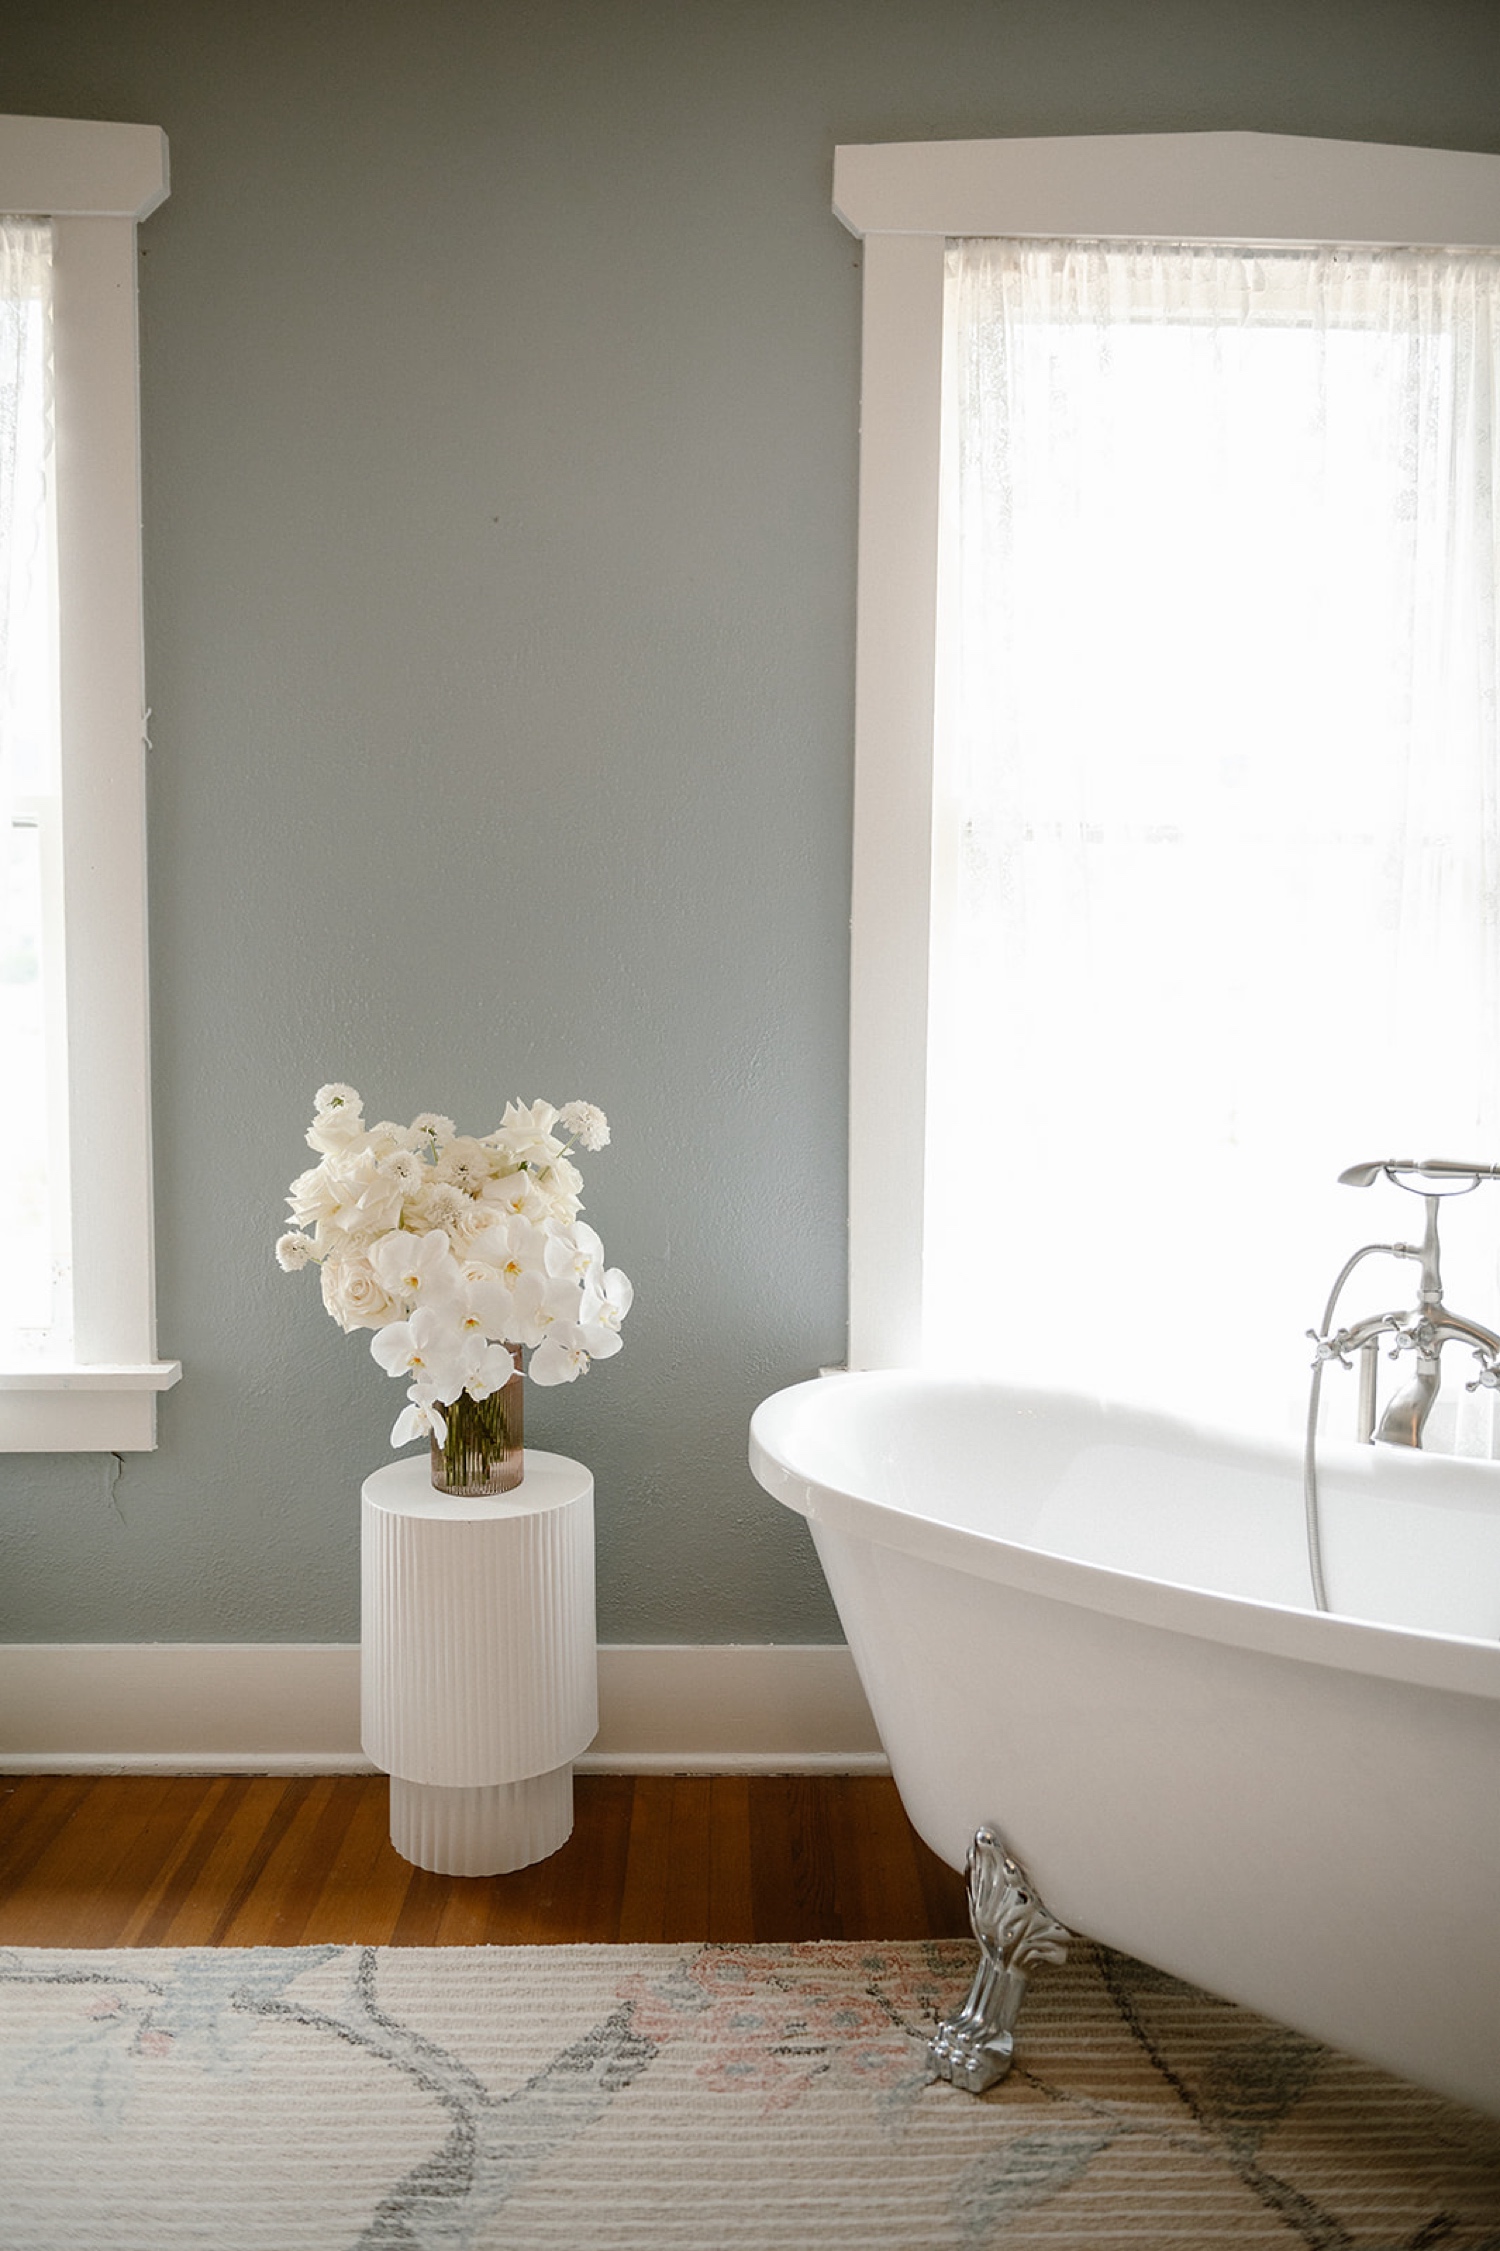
(244, 1860)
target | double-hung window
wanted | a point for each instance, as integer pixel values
(1177, 859)
(78, 1362)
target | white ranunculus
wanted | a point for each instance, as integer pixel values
(337, 1096)
(387, 1137)
(354, 1293)
(339, 1120)
(466, 1164)
(294, 1252)
(438, 1206)
(432, 1128)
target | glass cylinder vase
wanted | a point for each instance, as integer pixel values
(483, 1450)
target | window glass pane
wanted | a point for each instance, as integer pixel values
(26, 1272)
(1217, 844)
(34, 1296)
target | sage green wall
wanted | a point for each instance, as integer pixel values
(500, 366)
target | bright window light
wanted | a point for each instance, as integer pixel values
(35, 1296)
(1216, 846)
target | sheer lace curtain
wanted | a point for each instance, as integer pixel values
(25, 302)
(1217, 852)
(32, 1067)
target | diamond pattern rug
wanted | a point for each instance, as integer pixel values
(684, 2098)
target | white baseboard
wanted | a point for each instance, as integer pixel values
(293, 1708)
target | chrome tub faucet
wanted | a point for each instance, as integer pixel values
(1423, 1329)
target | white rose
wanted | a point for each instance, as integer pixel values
(355, 1295)
(312, 1197)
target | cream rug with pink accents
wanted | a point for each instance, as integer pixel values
(683, 2098)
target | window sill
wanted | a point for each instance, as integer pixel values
(68, 1408)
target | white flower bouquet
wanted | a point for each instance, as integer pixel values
(458, 1253)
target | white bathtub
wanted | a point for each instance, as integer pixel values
(1092, 1626)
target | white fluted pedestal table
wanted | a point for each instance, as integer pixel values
(478, 1661)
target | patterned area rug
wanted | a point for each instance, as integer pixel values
(643, 2098)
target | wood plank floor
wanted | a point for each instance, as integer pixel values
(245, 1860)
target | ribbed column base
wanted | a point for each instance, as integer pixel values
(487, 1830)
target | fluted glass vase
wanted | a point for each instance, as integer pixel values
(483, 1449)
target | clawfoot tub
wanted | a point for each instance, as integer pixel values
(1092, 1627)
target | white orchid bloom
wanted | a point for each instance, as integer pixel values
(428, 1347)
(508, 1243)
(541, 1305)
(516, 1195)
(490, 1370)
(491, 1305)
(457, 1252)
(417, 1267)
(572, 1248)
(486, 1303)
(422, 1419)
(562, 1357)
(607, 1298)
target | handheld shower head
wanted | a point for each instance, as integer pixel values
(1429, 1169)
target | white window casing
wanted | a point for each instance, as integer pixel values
(94, 181)
(906, 200)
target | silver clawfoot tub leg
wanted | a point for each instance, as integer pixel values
(1015, 1932)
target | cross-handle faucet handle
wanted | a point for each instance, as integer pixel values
(1415, 1335)
(1488, 1378)
(1330, 1348)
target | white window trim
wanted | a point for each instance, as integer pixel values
(95, 181)
(906, 199)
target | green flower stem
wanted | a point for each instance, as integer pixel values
(483, 1449)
